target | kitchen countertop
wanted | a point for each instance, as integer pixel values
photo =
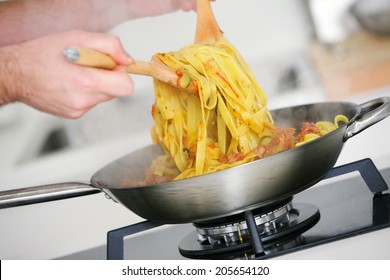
(81, 223)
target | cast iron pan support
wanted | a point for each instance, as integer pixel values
(255, 240)
(368, 171)
(375, 182)
(115, 238)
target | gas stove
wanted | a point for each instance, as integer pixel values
(320, 215)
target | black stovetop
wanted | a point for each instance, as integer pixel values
(347, 208)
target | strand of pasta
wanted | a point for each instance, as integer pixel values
(227, 88)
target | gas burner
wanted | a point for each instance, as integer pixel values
(237, 230)
(254, 235)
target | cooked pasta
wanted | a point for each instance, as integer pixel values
(227, 123)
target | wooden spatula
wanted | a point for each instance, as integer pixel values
(155, 69)
(207, 28)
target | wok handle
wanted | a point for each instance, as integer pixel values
(371, 112)
(44, 193)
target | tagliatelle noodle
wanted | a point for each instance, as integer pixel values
(227, 123)
(228, 116)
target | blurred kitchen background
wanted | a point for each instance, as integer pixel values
(301, 51)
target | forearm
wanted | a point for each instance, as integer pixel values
(23, 20)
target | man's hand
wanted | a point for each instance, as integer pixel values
(37, 74)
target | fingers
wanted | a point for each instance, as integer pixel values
(115, 83)
(88, 87)
(187, 5)
(85, 87)
(108, 44)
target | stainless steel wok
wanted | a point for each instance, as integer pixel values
(225, 192)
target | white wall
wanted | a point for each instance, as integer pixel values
(256, 27)
(259, 29)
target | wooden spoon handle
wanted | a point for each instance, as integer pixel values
(207, 28)
(90, 58)
(154, 69)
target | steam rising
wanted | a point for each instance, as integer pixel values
(295, 116)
